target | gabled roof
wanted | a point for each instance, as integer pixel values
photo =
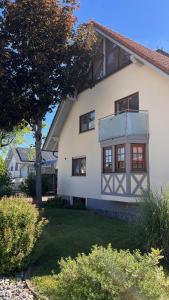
(158, 60)
(155, 58)
(24, 155)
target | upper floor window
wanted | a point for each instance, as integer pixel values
(138, 157)
(87, 121)
(98, 62)
(79, 166)
(107, 160)
(116, 57)
(130, 103)
(120, 158)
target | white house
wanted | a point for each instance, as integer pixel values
(113, 139)
(21, 162)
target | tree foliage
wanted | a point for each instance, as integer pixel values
(48, 59)
(12, 138)
(5, 179)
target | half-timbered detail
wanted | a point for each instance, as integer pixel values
(125, 184)
(127, 174)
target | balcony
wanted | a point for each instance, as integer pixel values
(124, 125)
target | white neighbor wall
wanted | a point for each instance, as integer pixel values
(22, 168)
(153, 91)
(12, 164)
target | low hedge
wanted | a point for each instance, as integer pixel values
(20, 227)
(108, 274)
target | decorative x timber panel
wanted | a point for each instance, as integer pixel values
(139, 183)
(114, 184)
(107, 183)
(120, 183)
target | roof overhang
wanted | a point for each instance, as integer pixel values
(52, 139)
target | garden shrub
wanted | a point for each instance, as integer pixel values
(153, 225)
(57, 202)
(28, 187)
(5, 180)
(107, 274)
(20, 227)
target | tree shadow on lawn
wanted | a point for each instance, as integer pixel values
(70, 232)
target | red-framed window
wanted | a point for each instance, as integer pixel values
(138, 157)
(129, 103)
(107, 160)
(120, 158)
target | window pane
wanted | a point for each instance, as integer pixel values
(107, 160)
(124, 58)
(98, 63)
(83, 122)
(130, 103)
(79, 167)
(134, 149)
(134, 102)
(138, 157)
(120, 158)
(112, 53)
(140, 149)
(87, 121)
(122, 105)
(83, 166)
(91, 119)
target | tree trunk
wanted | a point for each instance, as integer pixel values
(38, 144)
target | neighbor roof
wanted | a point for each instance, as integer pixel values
(157, 59)
(24, 155)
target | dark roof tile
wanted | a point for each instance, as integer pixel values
(25, 156)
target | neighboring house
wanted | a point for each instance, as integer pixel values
(113, 140)
(21, 162)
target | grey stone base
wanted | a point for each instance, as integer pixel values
(119, 210)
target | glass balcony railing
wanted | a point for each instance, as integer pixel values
(124, 124)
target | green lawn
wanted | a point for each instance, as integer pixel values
(69, 232)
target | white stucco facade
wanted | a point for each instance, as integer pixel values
(153, 88)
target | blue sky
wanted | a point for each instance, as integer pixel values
(145, 21)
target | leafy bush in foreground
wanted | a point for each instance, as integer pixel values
(153, 225)
(20, 227)
(108, 274)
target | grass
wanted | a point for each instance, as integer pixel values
(70, 232)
